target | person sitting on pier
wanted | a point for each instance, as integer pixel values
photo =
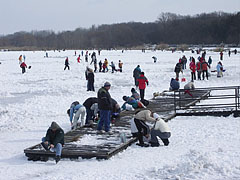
(78, 110)
(54, 140)
(140, 119)
(161, 130)
(188, 87)
(133, 102)
(174, 84)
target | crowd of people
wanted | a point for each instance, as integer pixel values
(104, 110)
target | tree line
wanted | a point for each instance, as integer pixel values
(169, 28)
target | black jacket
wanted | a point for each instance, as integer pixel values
(90, 101)
(104, 99)
(55, 137)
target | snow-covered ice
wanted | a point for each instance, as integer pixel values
(200, 147)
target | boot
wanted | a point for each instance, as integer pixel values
(57, 159)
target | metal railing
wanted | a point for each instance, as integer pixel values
(215, 99)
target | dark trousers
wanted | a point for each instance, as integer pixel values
(89, 116)
(193, 75)
(66, 66)
(23, 69)
(143, 129)
(203, 74)
(142, 92)
(199, 75)
(90, 86)
(105, 116)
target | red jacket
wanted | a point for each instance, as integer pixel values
(192, 66)
(142, 81)
(23, 65)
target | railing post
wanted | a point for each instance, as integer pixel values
(179, 99)
(175, 104)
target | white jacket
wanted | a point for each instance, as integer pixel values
(161, 125)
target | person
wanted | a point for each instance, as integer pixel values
(161, 130)
(79, 111)
(66, 64)
(115, 110)
(105, 63)
(135, 94)
(113, 67)
(184, 62)
(90, 79)
(154, 59)
(204, 67)
(193, 69)
(219, 69)
(100, 66)
(209, 61)
(120, 65)
(94, 57)
(178, 69)
(229, 52)
(235, 51)
(174, 84)
(23, 66)
(199, 70)
(221, 55)
(78, 59)
(140, 119)
(136, 74)
(141, 83)
(54, 140)
(133, 102)
(20, 59)
(86, 56)
(89, 112)
(105, 107)
(188, 87)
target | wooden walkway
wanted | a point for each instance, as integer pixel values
(105, 146)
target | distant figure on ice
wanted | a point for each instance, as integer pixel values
(193, 69)
(219, 70)
(105, 65)
(174, 84)
(178, 69)
(86, 57)
(54, 140)
(136, 74)
(204, 67)
(154, 59)
(46, 55)
(93, 56)
(113, 67)
(209, 61)
(235, 51)
(66, 64)
(229, 52)
(120, 65)
(90, 79)
(20, 59)
(100, 66)
(79, 111)
(221, 55)
(142, 81)
(78, 59)
(23, 66)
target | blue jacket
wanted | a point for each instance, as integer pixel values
(74, 109)
(174, 84)
(219, 67)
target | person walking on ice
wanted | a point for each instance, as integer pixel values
(66, 64)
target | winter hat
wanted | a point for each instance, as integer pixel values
(133, 90)
(107, 84)
(125, 98)
(54, 125)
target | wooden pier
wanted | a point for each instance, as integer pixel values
(108, 145)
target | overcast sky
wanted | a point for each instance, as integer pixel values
(61, 15)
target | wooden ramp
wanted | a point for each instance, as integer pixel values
(78, 142)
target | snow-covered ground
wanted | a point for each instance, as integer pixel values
(200, 147)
